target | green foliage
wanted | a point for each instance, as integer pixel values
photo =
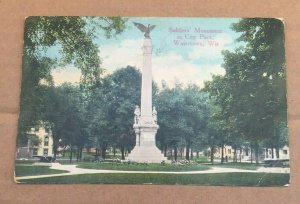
(111, 108)
(74, 37)
(252, 94)
(65, 111)
(34, 141)
(183, 116)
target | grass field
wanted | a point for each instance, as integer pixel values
(32, 170)
(143, 167)
(220, 179)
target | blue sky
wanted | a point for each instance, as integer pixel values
(186, 50)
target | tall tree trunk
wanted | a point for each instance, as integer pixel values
(235, 155)
(181, 152)
(71, 155)
(175, 153)
(212, 149)
(256, 152)
(187, 152)
(123, 152)
(114, 150)
(251, 154)
(197, 154)
(165, 150)
(192, 156)
(54, 149)
(272, 152)
(277, 152)
(222, 154)
(80, 156)
(77, 154)
(266, 152)
(103, 152)
(240, 155)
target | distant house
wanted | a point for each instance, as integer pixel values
(45, 148)
(244, 154)
(227, 152)
(284, 153)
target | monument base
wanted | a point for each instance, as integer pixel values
(145, 149)
(146, 154)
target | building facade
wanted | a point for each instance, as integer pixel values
(45, 147)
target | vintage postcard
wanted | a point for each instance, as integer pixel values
(153, 100)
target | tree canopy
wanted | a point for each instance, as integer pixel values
(74, 38)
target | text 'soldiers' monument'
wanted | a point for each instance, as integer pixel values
(145, 118)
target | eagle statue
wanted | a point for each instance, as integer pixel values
(144, 29)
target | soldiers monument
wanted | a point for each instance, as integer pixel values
(145, 118)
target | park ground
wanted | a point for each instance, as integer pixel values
(228, 174)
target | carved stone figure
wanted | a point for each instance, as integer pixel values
(144, 29)
(154, 114)
(137, 113)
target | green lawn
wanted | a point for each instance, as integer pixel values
(143, 167)
(23, 162)
(32, 170)
(246, 166)
(222, 179)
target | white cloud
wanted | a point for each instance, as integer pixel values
(170, 67)
(217, 70)
(115, 56)
(212, 52)
(69, 74)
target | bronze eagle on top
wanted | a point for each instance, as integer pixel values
(144, 29)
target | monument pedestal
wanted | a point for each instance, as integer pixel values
(145, 149)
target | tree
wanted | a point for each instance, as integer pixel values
(34, 141)
(73, 36)
(111, 108)
(252, 94)
(182, 118)
(65, 114)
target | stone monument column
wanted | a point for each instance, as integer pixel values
(146, 92)
(146, 126)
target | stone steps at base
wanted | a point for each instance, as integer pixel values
(146, 154)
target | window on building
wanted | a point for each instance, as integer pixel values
(34, 152)
(45, 152)
(284, 151)
(229, 151)
(46, 141)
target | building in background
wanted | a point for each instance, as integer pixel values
(42, 144)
